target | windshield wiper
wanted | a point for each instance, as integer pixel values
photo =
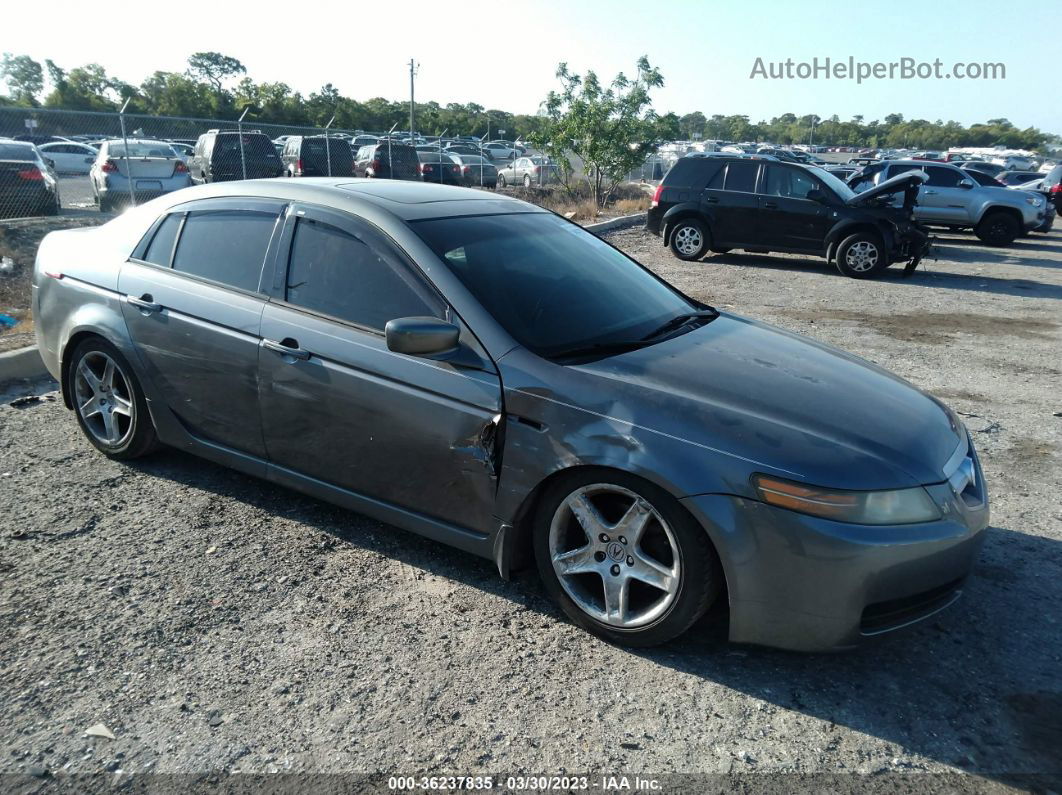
(679, 321)
(599, 349)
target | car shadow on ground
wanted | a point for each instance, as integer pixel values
(974, 687)
(925, 276)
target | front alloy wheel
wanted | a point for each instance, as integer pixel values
(861, 255)
(622, 557)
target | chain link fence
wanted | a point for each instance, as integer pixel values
(78, 162)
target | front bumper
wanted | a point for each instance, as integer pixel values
(808, 584)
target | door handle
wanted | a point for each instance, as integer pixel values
(712, 200)
(770, 205)
(931, 193)
(144, 303)
(287, 347)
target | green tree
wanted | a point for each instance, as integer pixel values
(24, 78)
(612, 129)
(214, 68)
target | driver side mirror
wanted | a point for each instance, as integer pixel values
(421, 336)
(966, 183)
(816, 195)
(50, 162)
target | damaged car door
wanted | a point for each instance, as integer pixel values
(339, 407)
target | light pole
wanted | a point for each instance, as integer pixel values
(412, 73)
(328, 145)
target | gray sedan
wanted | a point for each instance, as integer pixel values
(152, 167)
(528, 171)
(485, 373)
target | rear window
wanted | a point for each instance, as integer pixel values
(693, 172)
(15, 152)
(227, 246)
(228, 146)
(399, 154)
(141, 149)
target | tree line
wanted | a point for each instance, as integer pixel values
(216, 86)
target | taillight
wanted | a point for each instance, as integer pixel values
(538, 169)
(425, 168)
(180, 168)
(31, 173)
(109, 167)
(298, 166)
(465, 169)
(1056, 188)
(375, 166)
(657, 195)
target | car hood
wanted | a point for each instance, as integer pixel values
(781, 402)
(897, 184)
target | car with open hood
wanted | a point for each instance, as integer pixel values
(481, 371)
(762, 205)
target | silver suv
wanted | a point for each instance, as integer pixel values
(950, 198)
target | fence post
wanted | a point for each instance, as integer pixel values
(239, 132)
(328, 145)
(125, 143)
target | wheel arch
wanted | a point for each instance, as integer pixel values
(681, 212)
(848, 228)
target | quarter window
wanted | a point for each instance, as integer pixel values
(227, 246)
(161, 249)
(340, 275)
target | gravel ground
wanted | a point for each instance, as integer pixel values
(213, 622)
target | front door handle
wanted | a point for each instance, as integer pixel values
(144, 303)
(931, 193)
(770, 205)
(286, 347)
(712, 200)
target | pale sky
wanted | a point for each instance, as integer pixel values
(504, 54)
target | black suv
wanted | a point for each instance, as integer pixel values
(222, 156)
(762, 205)
(306, 156)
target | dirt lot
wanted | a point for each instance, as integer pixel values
(214, 622)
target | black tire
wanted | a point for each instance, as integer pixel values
(106, 205)
(688, 240)
(861, 256)
(699, 576)
(501, 181)
(997, 228)
(138, 438)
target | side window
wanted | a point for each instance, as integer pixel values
(716, 182)
(941, 177)
(227, 246)
(897, 170)
(337, 274)
(161, 249)
(741, 176)
(789, 182)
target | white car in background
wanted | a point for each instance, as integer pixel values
(69, 157)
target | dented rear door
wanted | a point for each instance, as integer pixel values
(342, 408)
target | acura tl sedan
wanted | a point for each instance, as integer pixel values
(492, 376)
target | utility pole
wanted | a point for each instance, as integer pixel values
(412, 74)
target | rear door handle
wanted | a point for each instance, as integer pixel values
(770, 205)
(712, 200)
(286, 347)
(931, 193)
(144, 303)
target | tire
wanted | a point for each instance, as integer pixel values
(689, 240)
(861, 256)
(106, 205)
(108, 401)
(665, 545)
(997, 228)
(501, 182)
(527, 180)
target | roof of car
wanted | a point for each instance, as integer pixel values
(406, 200)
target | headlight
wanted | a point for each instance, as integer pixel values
(896, 506)
(1034, 200)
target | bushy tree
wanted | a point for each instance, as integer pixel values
(24, 78)
(611, 129)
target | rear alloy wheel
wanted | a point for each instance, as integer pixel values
(527, 180)
(108, 401)
(997, 228)
(689, 241)
(501, 181)
(623, 558)
(861, 255)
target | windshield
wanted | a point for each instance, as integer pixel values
(141, 149)
(552, 285)
(836, 185)
(17, 152)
